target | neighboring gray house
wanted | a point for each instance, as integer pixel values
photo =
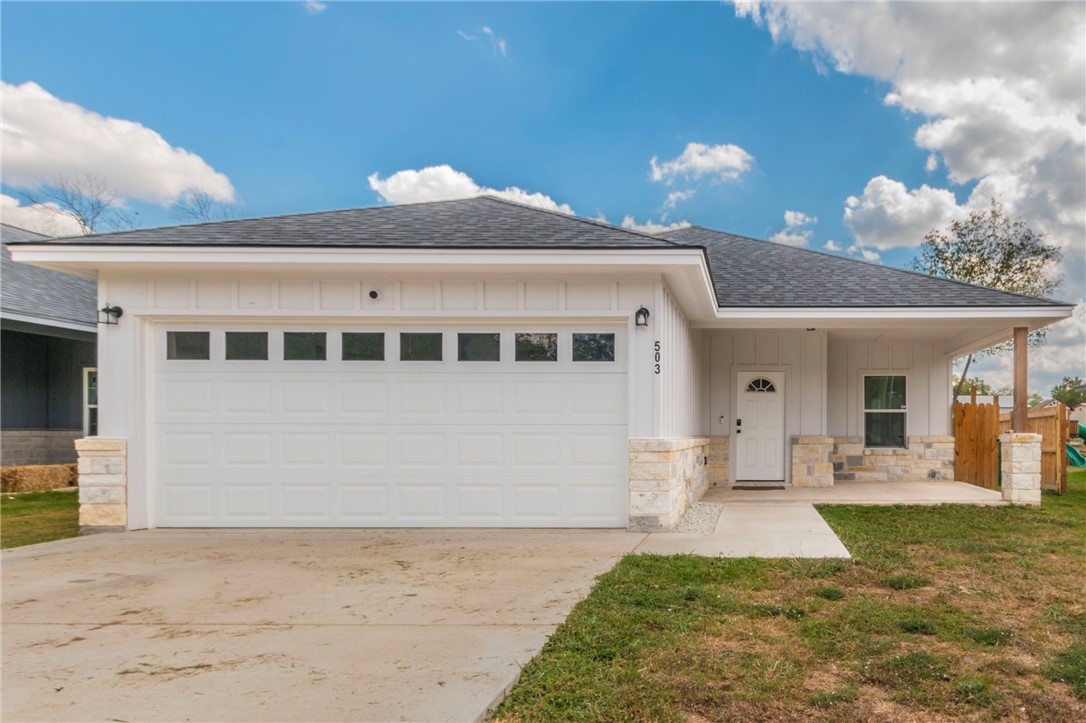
(48, 380)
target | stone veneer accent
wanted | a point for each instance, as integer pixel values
(103, 484)
(1020, 464)
(37, 446)
(930, 457)
(719, 451)
(666, 476)
(811, 461)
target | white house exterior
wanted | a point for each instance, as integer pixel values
(479, 363)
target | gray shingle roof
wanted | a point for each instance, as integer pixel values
(481, 222)
(41, 293)
(752, 272)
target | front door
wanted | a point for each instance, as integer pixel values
(759, 426)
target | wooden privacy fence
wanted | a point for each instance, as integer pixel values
(976, 443)
(1054, 426)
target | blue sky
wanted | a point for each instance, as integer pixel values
(298, 108)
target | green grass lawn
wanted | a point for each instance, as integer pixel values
(30, 517)
(963, 612)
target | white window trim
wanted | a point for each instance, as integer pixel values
(86, 399)
(864, 410)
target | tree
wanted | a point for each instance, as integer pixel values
(982, 387)
(1034, 399)
(1071, 391)
(200, 207)
(990, 249)
(87, 199)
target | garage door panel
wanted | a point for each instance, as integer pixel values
(390, 444)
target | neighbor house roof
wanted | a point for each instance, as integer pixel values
(746, 272)
(751, 272)
(480, 222)
(41, 294)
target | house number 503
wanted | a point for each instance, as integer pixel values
(656, 357)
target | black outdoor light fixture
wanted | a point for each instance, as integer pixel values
(641, 317)
(109, 314)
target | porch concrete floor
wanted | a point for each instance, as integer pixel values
(925, 492)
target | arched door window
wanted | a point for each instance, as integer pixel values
(761, 384)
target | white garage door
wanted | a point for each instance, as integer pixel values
(298, 426)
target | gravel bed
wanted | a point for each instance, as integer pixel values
(700, 517)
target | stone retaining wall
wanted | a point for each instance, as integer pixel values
(20, 447)
(103, 484)
(930, 457)
(666, 476)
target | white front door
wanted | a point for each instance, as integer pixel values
(759, 426)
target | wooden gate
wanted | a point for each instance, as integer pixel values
(1054, 426)
(976, 443)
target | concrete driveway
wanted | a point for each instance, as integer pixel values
(277, 625)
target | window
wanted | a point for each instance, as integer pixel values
(363, 346)
(416, 346)
(303, 346)
(761, 384)
(479, 347)
(884, 411)
(593, 347)
(246, 345)
(90, 402)
(536, 347)
(188, 345)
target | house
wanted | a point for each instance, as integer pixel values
(479, 363)
(47, 359)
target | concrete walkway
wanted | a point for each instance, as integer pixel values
(926, 492)
(756, 530)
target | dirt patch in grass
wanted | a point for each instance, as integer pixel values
(985, 620)
(27, 518)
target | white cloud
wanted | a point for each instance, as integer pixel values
(676, 197)
(932, 163)
(796, 231)
(725, 162)
(497, 44)
(832, 245)
(888, 214)
(445, 183)
(40, 217)
(315, 6)
(650, 226)
(45, 138)
(467, 36)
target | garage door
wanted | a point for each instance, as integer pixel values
(425, 427)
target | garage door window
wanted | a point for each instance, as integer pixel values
(420, 346)
(479, 347)
(188, 345)
(536, 347)
(363, 346)
(304, 346)
(246, 345)
(593, 347)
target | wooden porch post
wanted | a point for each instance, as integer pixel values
(1021, 393)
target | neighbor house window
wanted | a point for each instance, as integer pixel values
(478, 347)
(593, 347)
(884, 411)
(90, 402)
(420, 346)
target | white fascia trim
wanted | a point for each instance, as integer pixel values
(913, 312)
(73, 325)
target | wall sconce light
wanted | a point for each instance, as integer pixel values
(109, 314)
(641, 317)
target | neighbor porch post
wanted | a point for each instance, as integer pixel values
(1021, 393)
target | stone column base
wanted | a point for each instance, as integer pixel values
(1020, 464)
(812, 461)
(666, 475)
(103, 484)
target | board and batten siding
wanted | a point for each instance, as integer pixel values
(681, 380)
(924, 364)
(801, 355)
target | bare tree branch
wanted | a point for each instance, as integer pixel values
(200, 207)
(87, 199)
